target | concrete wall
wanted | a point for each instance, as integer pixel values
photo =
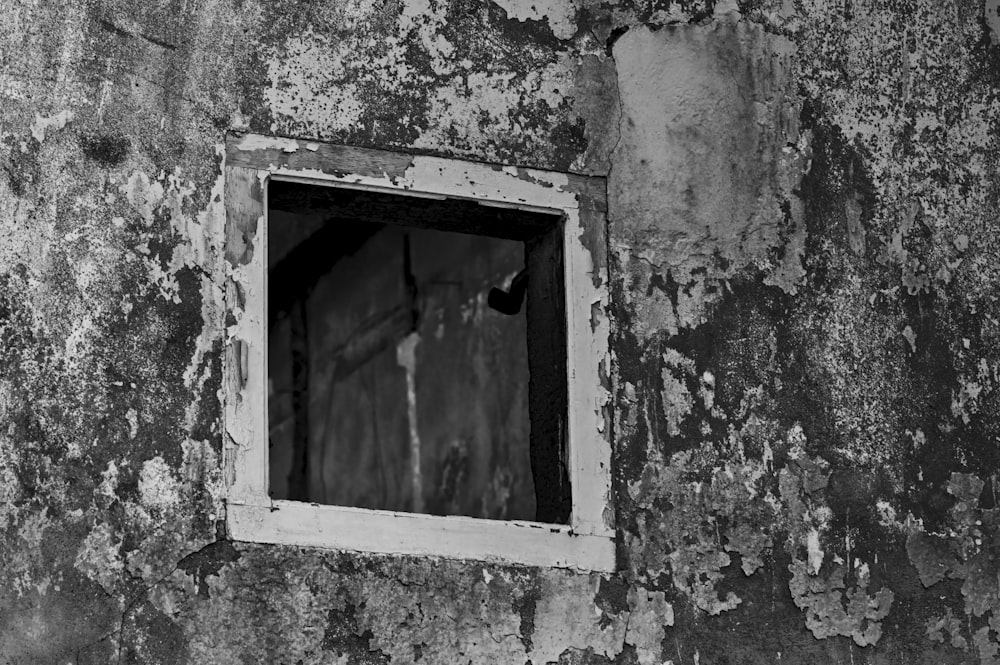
(805, 258)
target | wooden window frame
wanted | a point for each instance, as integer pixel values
(587, 542)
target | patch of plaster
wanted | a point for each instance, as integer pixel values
(554, 616)
(688, 539)
(43, 125)
(159, 487)
(827, 614)
(694, 203)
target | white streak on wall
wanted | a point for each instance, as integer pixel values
(406, 356)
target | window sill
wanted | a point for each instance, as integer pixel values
(453, 537)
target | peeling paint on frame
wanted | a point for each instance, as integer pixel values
(588, 543)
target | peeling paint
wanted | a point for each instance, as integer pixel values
(826, 612)
(407, 359)
(650, 614)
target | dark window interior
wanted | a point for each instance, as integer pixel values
(417, 354)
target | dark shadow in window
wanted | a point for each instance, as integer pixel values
(393, 384)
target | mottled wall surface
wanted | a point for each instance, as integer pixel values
(805, 261)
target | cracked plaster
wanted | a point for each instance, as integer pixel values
(793, 187)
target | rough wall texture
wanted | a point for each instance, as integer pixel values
(805, 261)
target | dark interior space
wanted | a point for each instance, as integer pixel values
(416, 354)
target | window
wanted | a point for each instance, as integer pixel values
(417, 356)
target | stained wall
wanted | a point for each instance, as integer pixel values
(804, 261)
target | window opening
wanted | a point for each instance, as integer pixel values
(523, 249)
(416, 354)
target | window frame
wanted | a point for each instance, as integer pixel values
(587, 542)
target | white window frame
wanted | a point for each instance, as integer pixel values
(587, 542)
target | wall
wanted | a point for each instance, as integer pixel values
(804, 263)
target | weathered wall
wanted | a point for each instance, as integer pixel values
(805, 254)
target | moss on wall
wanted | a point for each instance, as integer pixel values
(804, 259)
